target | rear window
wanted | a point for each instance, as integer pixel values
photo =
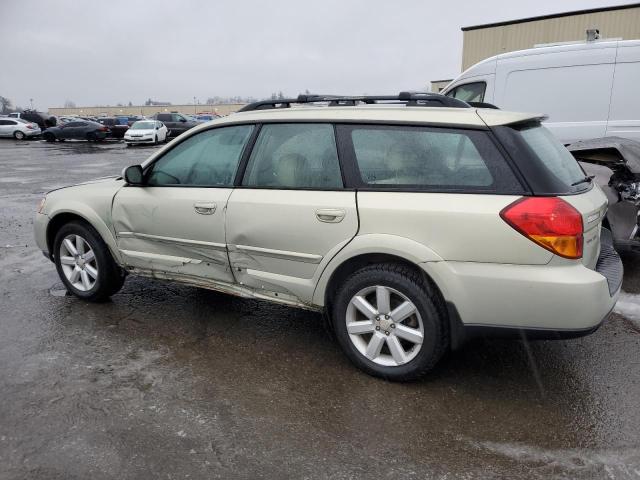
(430, 159)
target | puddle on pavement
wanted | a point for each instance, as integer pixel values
(58, 290)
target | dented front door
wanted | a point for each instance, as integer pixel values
(173, 230)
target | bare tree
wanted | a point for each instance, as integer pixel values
(5, 105)
(69, 104)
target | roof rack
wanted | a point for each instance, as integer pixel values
(410, 99)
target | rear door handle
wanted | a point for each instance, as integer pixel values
(205, 208)
(330, 215)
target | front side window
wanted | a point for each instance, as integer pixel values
(207, 159)
(294, 156)
(429, 159)
(469, 92)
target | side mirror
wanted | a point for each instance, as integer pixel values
(133, 175)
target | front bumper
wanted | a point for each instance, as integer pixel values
(40, 224)
(556, 301)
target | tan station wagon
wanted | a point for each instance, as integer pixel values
(413, 221)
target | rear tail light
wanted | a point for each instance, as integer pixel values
(104, 129)
(548, 221)
(29, 126)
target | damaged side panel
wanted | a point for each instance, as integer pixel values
(173, 230)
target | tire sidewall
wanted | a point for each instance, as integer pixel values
(430, 351)
(19, 135)
(103, 259)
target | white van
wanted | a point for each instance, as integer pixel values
(588, 90)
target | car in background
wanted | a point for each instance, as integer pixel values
(146, 132)
(77, 130)
(66, 119)
(177, 123)
(131, 119)
(18, 128)
(117, 129)
(206, 117)
(34, 116)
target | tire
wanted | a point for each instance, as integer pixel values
(104, 276)
(156, 140)
(418, 356)
(49, 137)
(18, 135)
(91, 137)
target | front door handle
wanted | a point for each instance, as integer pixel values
(330, 215)
(205, 208)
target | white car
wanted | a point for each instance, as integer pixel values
(411, 227)
(18, 128)
(146, 131)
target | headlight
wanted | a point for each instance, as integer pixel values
(41, 204)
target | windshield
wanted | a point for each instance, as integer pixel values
(553, 155)
(143, 126)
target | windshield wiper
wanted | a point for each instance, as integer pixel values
(587, 179)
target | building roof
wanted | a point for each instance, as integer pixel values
(553, 15)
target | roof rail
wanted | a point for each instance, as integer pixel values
(410, 99)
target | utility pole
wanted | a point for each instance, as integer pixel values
(31, 101)
(194, 105)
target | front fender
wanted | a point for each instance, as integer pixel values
(397, 246)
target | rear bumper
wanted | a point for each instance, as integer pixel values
(537, 301)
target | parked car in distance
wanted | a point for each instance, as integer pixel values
(77, 130)
(134, 118)
(176, 122)
(410, 226)
(588, 90)
(43, 121)
(146, 131)
(206, 117)
(18, 128)
(116, 128)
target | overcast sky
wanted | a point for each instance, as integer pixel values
(105, 52)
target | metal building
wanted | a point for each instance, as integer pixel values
(483, 41)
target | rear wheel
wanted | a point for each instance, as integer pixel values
(18, 135)
(390, 322)
(49, 137)
(85, 264)
(91, 137)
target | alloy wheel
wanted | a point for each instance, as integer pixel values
(384, 326)
(78, 262)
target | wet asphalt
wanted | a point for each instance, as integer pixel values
(169, 381)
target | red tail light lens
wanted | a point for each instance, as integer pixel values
(29, 126)
(104, 129)
(548, 221)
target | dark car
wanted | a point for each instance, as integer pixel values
(33, 116)
(114, 124)
(81, 130)
(175, 122)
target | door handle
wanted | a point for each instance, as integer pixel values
(330, 215)
(205, 208)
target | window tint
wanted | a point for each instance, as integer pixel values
(208, 159)
(175, 117)
(7, 122)
(294, 156)
(430, 158)
(75, 124)
(469, 92)
(164, 117)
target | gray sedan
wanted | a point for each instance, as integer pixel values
(78, 130)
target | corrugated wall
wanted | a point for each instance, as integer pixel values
(482, 43)
(222, 109)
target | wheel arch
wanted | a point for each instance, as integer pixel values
(60, 218)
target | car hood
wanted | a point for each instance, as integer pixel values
(609, 150)
(91, 182)
(140, 132)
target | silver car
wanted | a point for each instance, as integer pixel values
(18, 128)
(412, 227)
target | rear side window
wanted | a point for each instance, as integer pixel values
(556, 170)
(294, 156)
(430, 159)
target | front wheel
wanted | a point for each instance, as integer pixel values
(18, 135)
(49, 137)
(390, 322)
(85, 264)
